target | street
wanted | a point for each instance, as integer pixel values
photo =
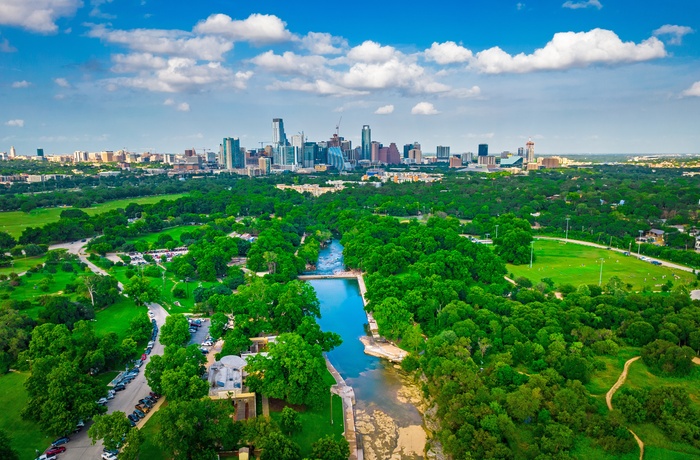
(80, 446)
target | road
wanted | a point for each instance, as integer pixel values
(80, 446)
(602, 246)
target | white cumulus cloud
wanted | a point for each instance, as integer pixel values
(15, 123)
(571, 49)
(323, 43)
(385, 110)
(290, 63)
(136, 62)
(575, 5)
(676, 33)
(693, 90)
(36, 15)
(257, 28)
(183, 107)
(424, 108)
(21, 84)
(169, 101)
(171, 42)
(447, 53)
(373, 53)
(318, 86)
(62, 82)
(183, 74)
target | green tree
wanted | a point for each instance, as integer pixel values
(141, 291)
(289, 420)
(110, 428)
(276, 446)
(330, 448)
(140, 327)
(393, 318)
(132, 445)
(175, 331)
(193, 430)
(6, 450)
(293, 370)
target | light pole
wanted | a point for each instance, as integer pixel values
(600, 280)
(639, 243)
(567, 228)
(532, 251)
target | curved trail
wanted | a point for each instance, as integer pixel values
(609, 395)
(696, 360)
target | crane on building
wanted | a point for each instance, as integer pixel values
(337, 127)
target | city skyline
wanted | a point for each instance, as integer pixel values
(585, 76)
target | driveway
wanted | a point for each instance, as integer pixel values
(80, 446)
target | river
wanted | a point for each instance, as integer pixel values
(389, 423)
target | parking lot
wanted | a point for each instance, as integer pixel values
(202, 333)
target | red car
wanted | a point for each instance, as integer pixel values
(144, 357)
(55, 450)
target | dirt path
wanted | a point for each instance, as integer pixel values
(696, 360)
(609, 395)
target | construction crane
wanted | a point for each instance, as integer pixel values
(337, 127)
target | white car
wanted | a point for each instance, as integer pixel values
(108, 456)
(102, 401)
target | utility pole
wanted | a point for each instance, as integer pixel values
(567, 228)
(639, 243)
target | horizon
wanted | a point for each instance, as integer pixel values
(586, 77)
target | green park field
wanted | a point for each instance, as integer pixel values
(174, 232)
(14, 222)
(570, 263)
(26, 435)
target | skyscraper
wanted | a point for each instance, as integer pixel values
(231, 153)
(40, 152)
(13, 153)
(443, 153)
(366, 143)
(278, 136)
(530, 147)
(483, 150)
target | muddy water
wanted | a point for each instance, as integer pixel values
(386, 415)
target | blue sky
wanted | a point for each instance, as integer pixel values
(578, 76)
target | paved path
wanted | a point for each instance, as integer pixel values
(347, 394)
(609, 395)
(632, 254)
(80, 447)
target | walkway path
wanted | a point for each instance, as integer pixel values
(609, 395)
(696, 360)
(347, 393)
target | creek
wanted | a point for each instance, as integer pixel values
(386, 415)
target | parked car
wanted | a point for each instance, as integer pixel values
(119, 387)
(55, 450)
(108, 456)
(656, 262)
(60, 441)
(132, 418)
(110, 394)
(144, 357)
(151, 343)
(153, 395)
(148, 350)
(136, 416)
(46, 457)
(143, 408)
(102, 401)
(140, 413)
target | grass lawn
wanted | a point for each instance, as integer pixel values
(315, 423)
(171, 281)
(14, 222)
(22, 265)
(116, 318)
(26, 435)
(577, 264)
(639, 376)
(174, 232)
(149, 449)
(601, 381)
(585, 449)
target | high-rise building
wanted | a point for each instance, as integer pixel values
(521, 151)
(310, 153)
(443, 153)
(407, 148)
(13, 153)
(374, 148)
(530, 147)
(40, 152)
(297, 140)
(366, 143)
(393, 155)
(264, 165)
(231, 154)
(483, 150)
(278, 136)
